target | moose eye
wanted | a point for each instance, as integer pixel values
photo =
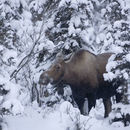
(57, 67)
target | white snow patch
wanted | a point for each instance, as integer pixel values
(33, 120)
(128, 57)
(109, 76)
(65, 117)
(10, 100)
(125, 75)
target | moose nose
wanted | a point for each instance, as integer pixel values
(40, 81)
(44, 81)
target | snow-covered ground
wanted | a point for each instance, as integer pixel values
(65, 117)
(34, 121)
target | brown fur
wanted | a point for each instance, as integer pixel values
(84, 73)
(78, 70)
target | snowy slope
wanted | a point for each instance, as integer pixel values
(63, 118)
(33, 120)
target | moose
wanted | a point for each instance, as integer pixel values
(83, 71)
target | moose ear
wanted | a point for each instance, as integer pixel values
(68, 58)
(60, 55)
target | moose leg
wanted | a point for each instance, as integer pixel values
(91, 100)
(80, 103)
(107, 106)
(91, 103)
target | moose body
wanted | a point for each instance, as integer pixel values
(84, 73)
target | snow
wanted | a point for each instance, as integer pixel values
(71, 29)
(117, 24)
(67, 46)
(11, 99)
(103, 11)
(14, 105)
(128, 57)
(1, 48)
(126, 76)
(74, 3)
(9, 54)
(64, 117)
(33, 121)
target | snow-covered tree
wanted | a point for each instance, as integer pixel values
(73, 25)
(9, 50)
(118, 40)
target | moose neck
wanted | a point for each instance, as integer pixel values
(67, 79)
